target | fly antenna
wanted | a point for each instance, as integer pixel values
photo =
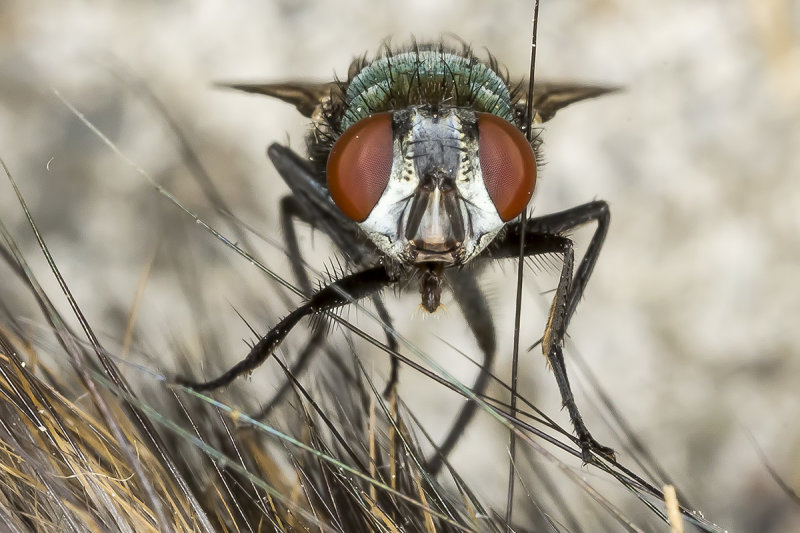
(512, 441)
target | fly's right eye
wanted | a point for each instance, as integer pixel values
(508, 165)
(359, 165)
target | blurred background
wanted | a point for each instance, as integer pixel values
(688, 319)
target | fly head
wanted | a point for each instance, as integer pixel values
(430, 160)
(431, 183)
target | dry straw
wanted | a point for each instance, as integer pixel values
(81, 449)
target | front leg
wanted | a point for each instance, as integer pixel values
(311, 204)
(339, 293)
(543, 235)
(552, 348)
(566, 221)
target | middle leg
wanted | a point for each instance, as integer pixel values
(292, 210)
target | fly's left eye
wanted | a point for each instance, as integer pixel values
(359, 165)
(508, 164)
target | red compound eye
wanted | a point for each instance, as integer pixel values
(507, 163)
(359, 165)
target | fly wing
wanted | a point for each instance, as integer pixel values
(305, 96)
(548, 98)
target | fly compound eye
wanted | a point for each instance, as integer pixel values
(508, 164)
(359, 165)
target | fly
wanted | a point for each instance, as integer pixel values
(423, 162)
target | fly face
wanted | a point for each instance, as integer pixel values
(431, 184)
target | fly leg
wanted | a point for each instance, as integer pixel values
(476, 312)
(391, 343)
(570, 219)
(290, 210)
(317, 210)
(339, 293)
(545, 235)
(552, 348)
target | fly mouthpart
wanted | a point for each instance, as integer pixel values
(430, 286)
(435, 227)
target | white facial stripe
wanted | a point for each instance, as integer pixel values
(383, 223)
(481, 216)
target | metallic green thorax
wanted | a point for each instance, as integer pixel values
(425, 77)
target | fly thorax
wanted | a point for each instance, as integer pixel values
(435, 207)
